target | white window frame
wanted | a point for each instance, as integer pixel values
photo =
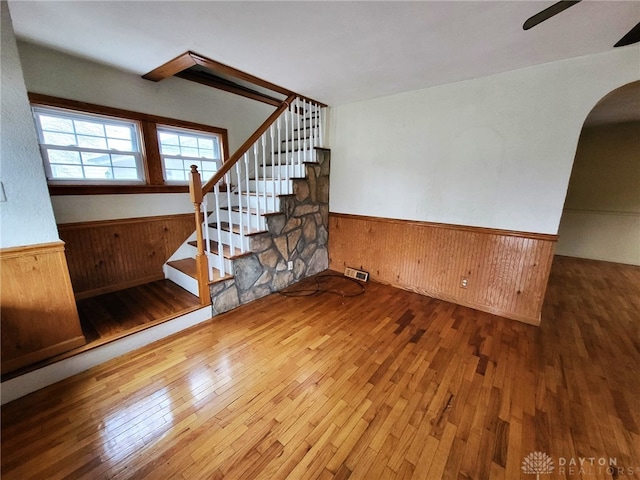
(187, 161)
(104, 119)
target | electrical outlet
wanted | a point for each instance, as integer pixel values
(289, 265)
(464, 283)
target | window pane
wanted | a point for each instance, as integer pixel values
(122, 145)
(205, 143)
(55, 124)
(124, 161)
(189, 152)
(191, 146)
(92, 142)
(125, 173)
(92, 145)
(89, 128)
(186, 141)
(168, 139)
(98, 173)
(61, 139)
(66, 172)
(176, 175)
(64, 156)
(173, 164)
(90, 158)
(169, 150)
(116, 131)
(206, 153)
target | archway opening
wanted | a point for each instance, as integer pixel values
(601, 215)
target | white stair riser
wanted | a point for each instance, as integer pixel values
(248, 219)
(214, 259)
(227, 237)
(283, 171)
(294, 156)
(185, 281)
(270, 203)
(297, 144)
(281, 187)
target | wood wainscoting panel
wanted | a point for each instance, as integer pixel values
(506, 271)
(38, 312)
(110, 255)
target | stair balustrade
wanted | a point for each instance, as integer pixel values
(233, 204)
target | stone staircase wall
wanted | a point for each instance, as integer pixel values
(298, 233)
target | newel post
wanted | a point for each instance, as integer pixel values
(202, 263)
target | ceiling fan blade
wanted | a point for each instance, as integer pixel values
(547, 13)
(633, 36)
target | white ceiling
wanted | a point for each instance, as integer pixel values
(335, 52)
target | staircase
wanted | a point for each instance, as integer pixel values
(267, 217)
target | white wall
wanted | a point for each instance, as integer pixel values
(51, 72)
(601, 218)
(21, 170)
(492, 152)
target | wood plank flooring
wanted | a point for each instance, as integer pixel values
(389, 384)
(113, 314)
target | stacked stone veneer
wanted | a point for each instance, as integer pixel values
(298, 234)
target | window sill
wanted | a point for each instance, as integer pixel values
(114, 189)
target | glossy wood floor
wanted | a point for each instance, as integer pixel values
(113, 314)
(388, 384)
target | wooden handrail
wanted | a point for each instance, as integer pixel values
(237, 155)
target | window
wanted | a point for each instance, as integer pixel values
(181, 148)
(88, 147)
(91, 149)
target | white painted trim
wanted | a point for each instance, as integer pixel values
(43, 377)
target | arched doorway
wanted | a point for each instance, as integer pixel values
(601, 215)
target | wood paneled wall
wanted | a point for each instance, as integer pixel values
(507, 271)
(38, 313)
(106, 256)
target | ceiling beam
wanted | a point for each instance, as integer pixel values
(179, 65)
(169, 69)
(227, 86)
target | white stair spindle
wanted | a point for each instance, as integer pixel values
(316, 125)
(263, 183)
(216, 194)
(257, 193)
(303, 132)
(239, 192)
(273, 158)
(323, 112)
(286, 145)
(299, 132)
(247, 202)
(207, 242)
(230, 220)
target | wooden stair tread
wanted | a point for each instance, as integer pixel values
(188, 267)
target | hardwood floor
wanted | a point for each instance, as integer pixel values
(113, 314)
(389, 384)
